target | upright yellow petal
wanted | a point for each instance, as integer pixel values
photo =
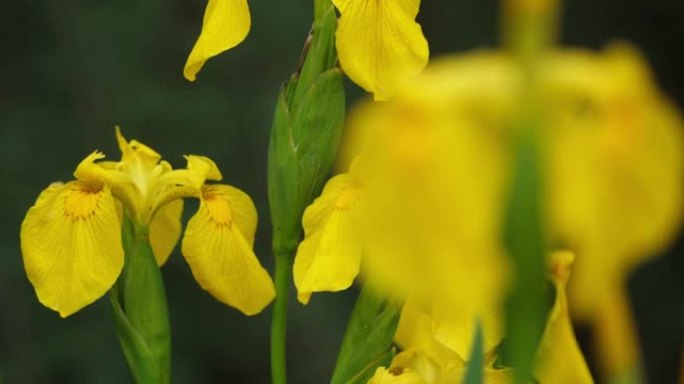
(379, 43)
(218, 247)
(559, 359)
(165, 230)
(329, 257)
(71, 245)
(226, 23)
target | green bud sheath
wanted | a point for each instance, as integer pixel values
(305, 134)
(140, 312)
(367, 342)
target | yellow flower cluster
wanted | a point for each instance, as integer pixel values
(421, 211)
(71, 237)
(379, 44)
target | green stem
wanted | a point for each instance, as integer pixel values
(140, 311)
(283, 273)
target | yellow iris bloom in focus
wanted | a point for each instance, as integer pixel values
(226, 24)
(71, 237)
(379, 43)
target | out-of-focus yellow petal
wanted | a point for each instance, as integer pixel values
(455, 328)
(218, 247)
(490, 376)
(71, 245)
(414, 364)
(395, 376)
(559, 358)
(416, 330)
(329, 257)
(165, 230)
(226, 23)
(617, 343)
(379, 44)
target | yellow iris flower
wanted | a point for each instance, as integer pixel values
(379, 43)
(226, 24)
(71, 237)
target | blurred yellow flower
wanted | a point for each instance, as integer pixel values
(425, 359)
(436, 172)
(379, 43)
(226, 24)
(71, 237)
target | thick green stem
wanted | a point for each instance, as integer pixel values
(283, 273)
(140, 312)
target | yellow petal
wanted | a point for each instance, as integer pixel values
(383, 375)
(559, 358)
(416, 330)
(226, 23)
(617, 342)
(329, 257)
(135, 153)
(379, 43)
(218, 247)
(71, 245)
(173, 184)
(165, 229)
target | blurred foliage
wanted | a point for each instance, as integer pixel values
(71, 70)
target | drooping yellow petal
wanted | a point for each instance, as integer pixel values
(165, 230)
(559, 358)
(218, 247)
(226, 23)
(329, 257)
(379, 44)
(71, 245)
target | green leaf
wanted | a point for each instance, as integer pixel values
(367, 342)
(525, 240)
(474, 373)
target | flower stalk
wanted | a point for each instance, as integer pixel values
(306, 130)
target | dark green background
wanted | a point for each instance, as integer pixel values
(72, 69)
